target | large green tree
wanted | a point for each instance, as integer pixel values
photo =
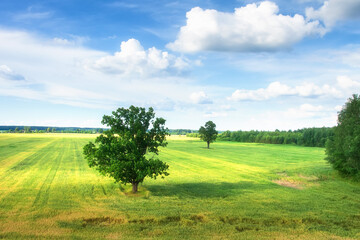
(127, 152)
(343, 150)
(208, 133)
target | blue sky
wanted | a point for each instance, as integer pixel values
(243, 64)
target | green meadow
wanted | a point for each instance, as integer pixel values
(230, 191)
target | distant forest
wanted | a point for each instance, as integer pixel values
(310, 137)
(43, 129)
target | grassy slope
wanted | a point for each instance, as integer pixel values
(229, 191)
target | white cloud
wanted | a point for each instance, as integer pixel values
(9, 74)
(132, 59)
(346, 82)
(311, 108)
(277, 89)
(63, 41)
(312, 90)
(306, 111)
(200, 98)
(333, 11)
(255, 27)
(71, 41)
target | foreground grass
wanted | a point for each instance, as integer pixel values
(231, 191)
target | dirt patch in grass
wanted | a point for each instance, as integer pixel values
(297, 181)
(290, 184)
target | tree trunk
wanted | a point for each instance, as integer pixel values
(135, 187)
(208, 144)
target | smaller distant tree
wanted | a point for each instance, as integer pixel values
(208, 133)
(53, 130)
(48, 130)
(17, 130)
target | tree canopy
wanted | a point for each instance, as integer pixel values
(121, 152)
(208, 133)
(343, 150)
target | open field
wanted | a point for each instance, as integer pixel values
(231, 191)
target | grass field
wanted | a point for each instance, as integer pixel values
(231, 191)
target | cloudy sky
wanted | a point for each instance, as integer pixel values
(280, 64)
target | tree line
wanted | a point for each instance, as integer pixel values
(310, 137)
(180, 131)
(37, 129)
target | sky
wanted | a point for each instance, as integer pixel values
(262, 65)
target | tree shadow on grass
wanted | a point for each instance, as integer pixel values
(206, 190)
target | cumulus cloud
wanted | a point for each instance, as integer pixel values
(277, 89)
(200, 98)
(254, 27)
(133, 59)
(333, 11)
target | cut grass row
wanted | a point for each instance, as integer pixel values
(233, 190)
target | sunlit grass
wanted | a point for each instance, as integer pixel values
(230, 191)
